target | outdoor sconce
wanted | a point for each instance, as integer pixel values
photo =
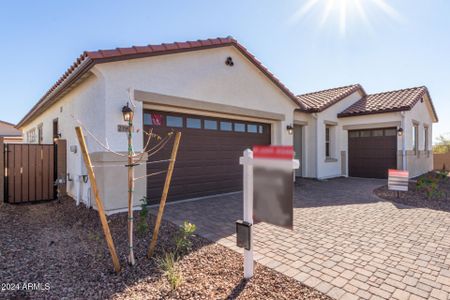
(243, 234)
(229, 62)
(290, 129)
(127, 113)
(400, 131)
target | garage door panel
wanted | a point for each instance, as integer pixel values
(371, 156)
(208, 160)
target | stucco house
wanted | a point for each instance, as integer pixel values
(223, 100)
(9, 133)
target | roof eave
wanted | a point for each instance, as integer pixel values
(373, 112)
(83, 68)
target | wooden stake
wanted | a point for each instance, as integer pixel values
(101, 212)
(162, 204)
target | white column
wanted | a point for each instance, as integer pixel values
(248, 210)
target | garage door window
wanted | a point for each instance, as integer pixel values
(193, 123)
(173, 121)
(252, 128)
(226, 126)
(261, 129)
(239, 127)
(211, 124)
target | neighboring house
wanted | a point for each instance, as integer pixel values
(9, 133)
(222, 99)
(350, 133)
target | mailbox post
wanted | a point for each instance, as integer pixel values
(276, 157)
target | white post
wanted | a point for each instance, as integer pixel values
(404, 159)
(248, 211)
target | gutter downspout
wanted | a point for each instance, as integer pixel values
(404, 160)
(316, 117)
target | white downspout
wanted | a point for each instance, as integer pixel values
(404, 160)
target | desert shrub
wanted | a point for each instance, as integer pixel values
(168, 264)
(142, 225)
(183, 241)
(430, 185)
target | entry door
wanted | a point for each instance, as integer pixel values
(298, 147)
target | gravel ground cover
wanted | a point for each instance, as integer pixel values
(418, 197)
(61, 247)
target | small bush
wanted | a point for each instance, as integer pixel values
(183, 241)
(430, 185)
(142, 225)
(168, 265)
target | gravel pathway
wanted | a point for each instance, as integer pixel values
(60, 249)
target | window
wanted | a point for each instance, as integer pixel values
(253, 128)
(425, 136)
(365, 133)
(211, 124)
(226, 126)
(260, 129)
(193, 123)
(148, 119)
(239, 127)
(415, 138)
(327, 142)
(173, 121)
(390, 132)
(40, 136)
(153, 119)
(377, 132)
(353, 134)
(31, 135)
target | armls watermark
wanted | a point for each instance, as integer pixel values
(25, 286)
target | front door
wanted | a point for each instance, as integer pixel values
(298, 147)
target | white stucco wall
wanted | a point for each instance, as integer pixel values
(84, 103)
(421, 161)
(198, 75)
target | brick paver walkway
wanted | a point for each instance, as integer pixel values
(346, 242)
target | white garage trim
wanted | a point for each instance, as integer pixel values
(174, 101)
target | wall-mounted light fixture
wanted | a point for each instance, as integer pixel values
(400, 131)
(229, 62)
(290, 129)
(127, 113)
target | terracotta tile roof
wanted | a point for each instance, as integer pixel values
(401, 100)
(321, 100)
(89, 58)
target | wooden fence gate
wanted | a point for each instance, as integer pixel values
(31, 171)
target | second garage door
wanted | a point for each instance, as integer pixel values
(372, 152)
(208, 157)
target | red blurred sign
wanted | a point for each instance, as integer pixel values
(275, 152)
(398, 173)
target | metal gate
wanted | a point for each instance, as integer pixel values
(30, 172)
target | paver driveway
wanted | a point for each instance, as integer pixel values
(346, 242)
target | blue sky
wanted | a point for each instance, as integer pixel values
(404, 44)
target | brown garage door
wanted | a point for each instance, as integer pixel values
(208, 157)
(372, 152)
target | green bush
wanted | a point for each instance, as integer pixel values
(142, 225)
(430, 185)
(183, 241)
